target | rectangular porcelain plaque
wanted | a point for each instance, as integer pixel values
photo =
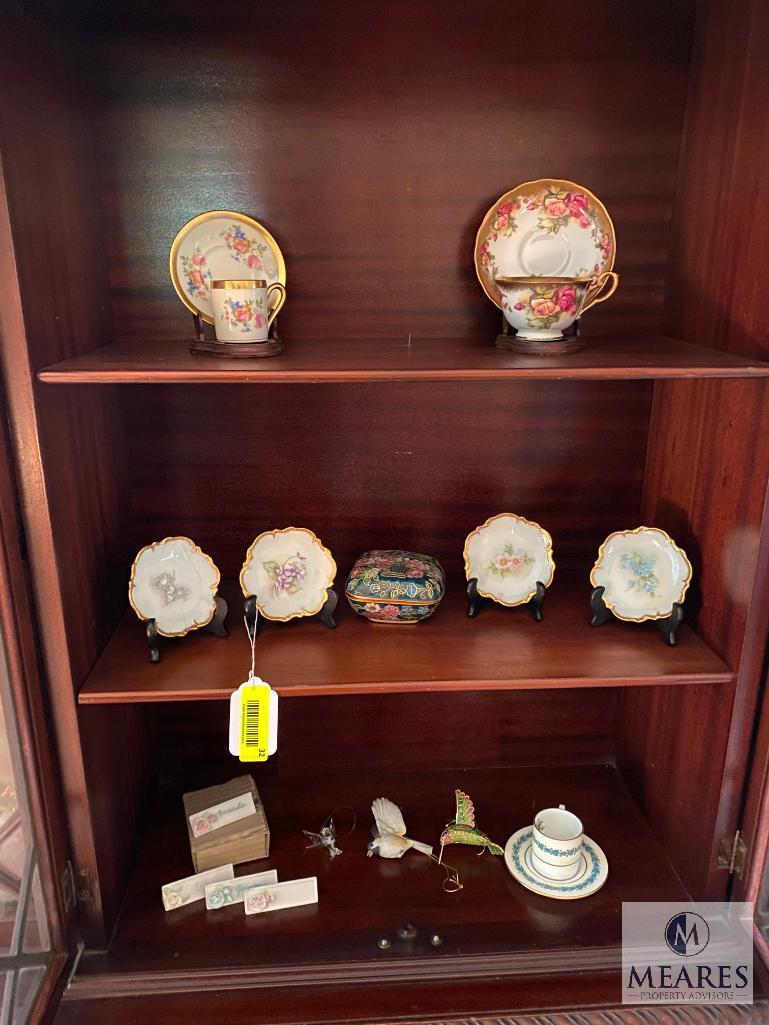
(185, 891)
(202, 822)
(291, 894)
(232, 891)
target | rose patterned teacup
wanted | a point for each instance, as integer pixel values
(540, 308)
(242, 309)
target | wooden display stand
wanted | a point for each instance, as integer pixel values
(476, 601)
(240, 350)
(215, 627)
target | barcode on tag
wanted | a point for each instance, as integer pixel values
(254, 725)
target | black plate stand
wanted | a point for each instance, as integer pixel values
(215, 627)
(667, 626)
(476, 601)
(326, 614)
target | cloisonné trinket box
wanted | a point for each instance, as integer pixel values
(395, 586)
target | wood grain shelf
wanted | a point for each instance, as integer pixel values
(492, 927)
(621, 357)
(503, 649)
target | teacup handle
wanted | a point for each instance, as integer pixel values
(275, 287)
(595, 287)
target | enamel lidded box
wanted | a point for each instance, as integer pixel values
(395, 586)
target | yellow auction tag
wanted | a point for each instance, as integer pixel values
(254, 722)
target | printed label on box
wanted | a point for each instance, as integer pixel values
(202, 822)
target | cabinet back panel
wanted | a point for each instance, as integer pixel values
(372, 139)
(393, 465)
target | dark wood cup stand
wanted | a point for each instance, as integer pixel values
(571, 342)
(255, 623)
(667, 626)
(240, 350)
(476, 601)
(215, 627)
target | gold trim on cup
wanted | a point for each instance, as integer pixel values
(240, 283)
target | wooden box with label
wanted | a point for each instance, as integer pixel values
(240, 837)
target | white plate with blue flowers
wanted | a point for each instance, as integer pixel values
(643, 573)
(591, 873)
(174, 583)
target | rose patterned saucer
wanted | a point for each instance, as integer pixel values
(221, 244)
(643, 573)
(289, 572)
(545, 228)
(508, 555)
(592, 869)
(174, 583)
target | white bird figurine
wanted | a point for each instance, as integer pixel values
(390, 840)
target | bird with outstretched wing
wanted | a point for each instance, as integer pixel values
(390, 840)
(463, 828)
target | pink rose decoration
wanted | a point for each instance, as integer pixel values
(518, 306)
(555, 207)
(566, 298)
(516, 205)
(240, 244)
(198, 259)
(389, 612)
(260, 320)
(242, 315)
(501, 222)
(577, 204)
(251, 260)
(531, 206)
(505, 209)
(544, 307)
(584, 222)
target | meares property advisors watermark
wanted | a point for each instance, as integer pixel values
(697, 953)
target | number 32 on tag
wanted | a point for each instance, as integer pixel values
(253, 721)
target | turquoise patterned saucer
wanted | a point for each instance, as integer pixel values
(592, 873)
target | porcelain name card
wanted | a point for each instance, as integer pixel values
(192, 888)
(292, 894)
(232, 891)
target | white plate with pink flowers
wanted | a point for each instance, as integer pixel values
(508, 555)
(217, 245)
(546, 228)
(289, 572)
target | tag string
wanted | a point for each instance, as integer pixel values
(252, 641)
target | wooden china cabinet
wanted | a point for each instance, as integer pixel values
(370, 138)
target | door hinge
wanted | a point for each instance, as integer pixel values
(731, 854)
(77, 887)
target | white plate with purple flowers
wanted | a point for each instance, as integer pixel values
(508, 555)
(643, 573)
(289, 572)
(174, 583)
(221, 244)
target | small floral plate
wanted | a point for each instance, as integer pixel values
(591, 874)
(508, 555)
(221, 244)
(643, 573)
(550, 228)
(289, 572)
(174, 583)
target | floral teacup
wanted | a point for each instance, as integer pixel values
(242, 309)
(541, 308)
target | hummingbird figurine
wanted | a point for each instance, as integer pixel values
(390, 840)
(463, 828)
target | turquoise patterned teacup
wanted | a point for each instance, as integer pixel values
(556, 842)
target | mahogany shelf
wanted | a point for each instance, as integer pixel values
(625, 357)
(492, 927)
(503, 649)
